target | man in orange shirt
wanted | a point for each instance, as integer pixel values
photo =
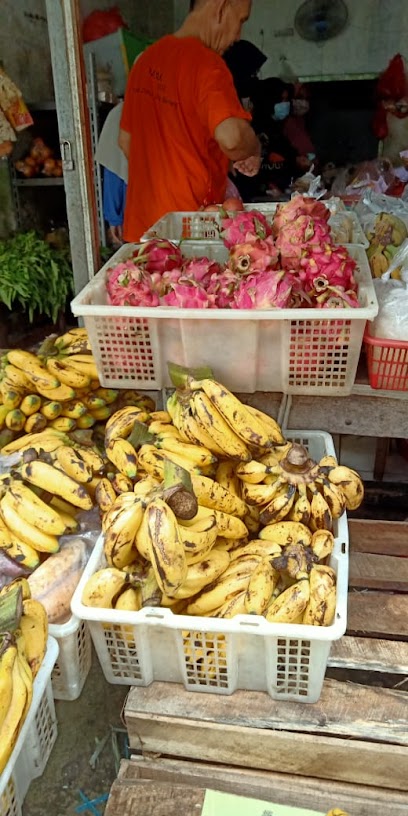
(182, 122)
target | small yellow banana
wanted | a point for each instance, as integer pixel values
(123, 455)
(290, 604)
(30, 404)
(260, 588)
(73, 465)
(105, 494)
(167, 552)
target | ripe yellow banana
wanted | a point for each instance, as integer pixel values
(121, 501)
(202, 574)
(101, 414)
(34, 628)
(26, 555)
(213, 495)
(24, 530)
(68, 375)
(334, 496)
(30, 507)
(63, 424)
(235, 606)
(251, 520)
(192, 431)
(252, 472)
(119, 544)
(196, 454)
(103, 587)
(129, 600)
(85, 422)
(73, 465)
(322, 543)
(123, 455)
(73, 409)
(287, 532)
(35, 423)
(61, 393)
(226, 476)
(85, 364)
(215, 425)
(280, 505)
(92, 458)
(17, 377)
(54, 481)
(109, 395)
(105, 494)
(121, 483)
(256, 548)
(32, 368)
(8, 654)
(350, 483)
(14, 717)
(71, 336)
(321, 606)
(167, 552)
(153, 460)
(120, 424)
(320, 515)
(261, 494)
(30, 404)
(290, 604)
(300, 510)
(198, 542)
(244, 423)
(230, 526)
(11, 396)
(271, 426)
(51, 409)
(15, 420)
(260, 588)
(164, 429)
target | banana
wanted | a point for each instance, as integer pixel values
(203, 520)
(215, 425)
(31, 508)
(260, 588)
(251, 520)
(287, 532)
(34, 628)
(67, 375)
(192, 431)
(105, 494)
(24, 530)
(158, 428)
(71, 336)
(73, 409)
(196, 454)
(85, 422)
(152, 461)
(334, 496)
(109, 395)
(92, 458)
(23, 553)
(84, 363)
(235, 606)
(256, 548)
(280, 505)
(290, 604)
(13, 720)
(121, 501)
(167, 552)
(198, 542)
(92, 402)
(61, 393)
(350, 483)
(270, 425)
(201, 574)
(146, 486)
(30, 404)
(73, 465)
(3, 413)
(337, 812)
(101, 414)
(63, 506)
(15, 420)
(213, 495)
(123, 455)
(46, 441)
(244, 423)
(121, 423)
(11, 396)
(252, 472)
(8, 654)
(229, 526)
(261, 494)
(328, 462)
(54, 481)
(300, 510)
(320, 515)
(226, 476)
(32, 368)
(51, 409)
(321, 606)
(35, 423)
(103, 587)
(119, 544)
(121, 483)
(129, 600)
(70, 522)
(142, 539)
(18, 378)
(63, 424)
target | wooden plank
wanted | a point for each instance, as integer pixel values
(370, 654)
(368, 571)
(360, 414)
(278, 788)
(381, 537)
(377, 614)
(344, 709)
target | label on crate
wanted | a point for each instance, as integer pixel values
(226, 804)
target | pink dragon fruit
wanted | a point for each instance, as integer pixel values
(337, 298)
(326, 266)
(131, 287)
(187, 294)
(243, 227)
(269, 289)
(158, 255)
(298, 205)
(295, 238)
(200, 270)
(222, 288)
(255, 256)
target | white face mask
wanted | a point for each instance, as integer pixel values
(300, 107)
(281, 110)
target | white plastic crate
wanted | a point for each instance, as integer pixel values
(205, 226)
(35, 742)
(295, 351)
(74, 659)
(288, 661)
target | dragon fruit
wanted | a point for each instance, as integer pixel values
(295, 238)
(269, 289)
(158, 255)
(200, 270)
(244, 227)
(255, 256)
(222, 288)
(130, 286)
(326, 266)
(337, 298)
(187, 294)
(299, 205)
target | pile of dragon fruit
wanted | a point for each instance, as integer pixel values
(289, 263)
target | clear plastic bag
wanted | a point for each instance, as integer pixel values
(391, 322)
(309, 185)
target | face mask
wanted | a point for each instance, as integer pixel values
(281, 110)
(300, 107)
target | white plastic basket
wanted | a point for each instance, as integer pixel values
(205, 226)
(35, 742)
(74, 659)
(295, 351)
(288, 661)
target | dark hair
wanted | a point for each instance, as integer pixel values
(192, 4)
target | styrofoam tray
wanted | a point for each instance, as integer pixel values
(74, 659)
(294, 351)
(214, 655)
(35, 741)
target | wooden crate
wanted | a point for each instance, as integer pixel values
(349, 750)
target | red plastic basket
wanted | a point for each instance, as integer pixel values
(387, 362)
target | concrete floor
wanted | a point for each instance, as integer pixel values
(80, 724)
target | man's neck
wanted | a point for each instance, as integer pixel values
(195, 25)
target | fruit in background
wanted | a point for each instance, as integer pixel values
(232, 205)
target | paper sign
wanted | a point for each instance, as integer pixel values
(226, 804)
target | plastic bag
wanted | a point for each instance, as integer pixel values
(372, 203)
(100, 23)
(393, 83)
(391, 322)
(376, 175)
(309, 185)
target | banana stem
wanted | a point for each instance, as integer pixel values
(180, 375)
(11, 609)
(140, 435)
(178, 491)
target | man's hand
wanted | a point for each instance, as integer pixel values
(249, 166)
(116, 235)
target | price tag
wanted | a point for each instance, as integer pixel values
(226, 804)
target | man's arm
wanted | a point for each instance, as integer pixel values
(124, 142)
(237, 139)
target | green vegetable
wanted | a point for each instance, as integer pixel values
(34, 276)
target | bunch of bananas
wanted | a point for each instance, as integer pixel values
(22, 649)
(385, 238)
(57, 388)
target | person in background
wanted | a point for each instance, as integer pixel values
(295, 129)
(115, 175)
(182, 121)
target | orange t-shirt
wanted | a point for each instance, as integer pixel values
(178, 92)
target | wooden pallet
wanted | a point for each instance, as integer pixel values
(348, 750)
